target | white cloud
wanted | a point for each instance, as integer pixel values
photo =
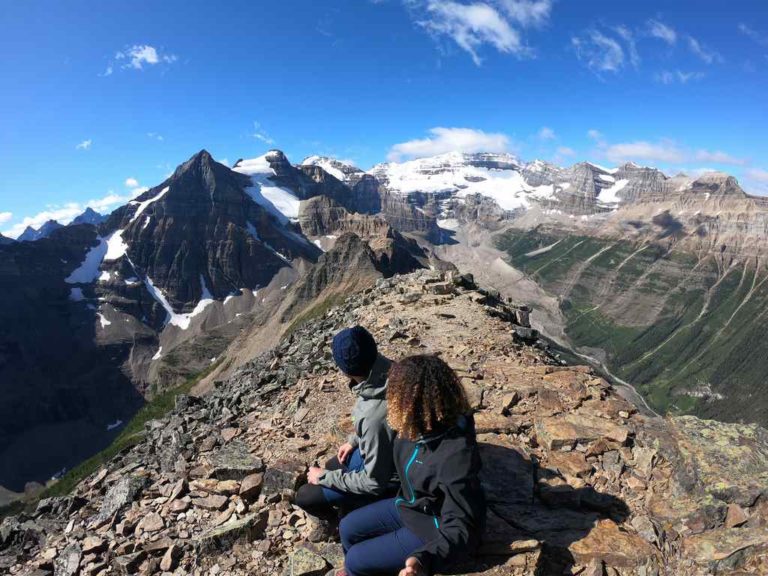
(444, 140)
(471, 26)
(754, 35)
(594, 134)
(663, 151)
(84, 145)
(546, 134)
(527, 12)
(758, 174)
(719, 157)
(155, 136)
(566, 151)
(260, 134)
(599, 52)
(5, 217)
(137, 57)
(677, 76)
(131, 183)
(629, 38)
(224, 161)
(662, 32)
(65, 213)
(702, 52)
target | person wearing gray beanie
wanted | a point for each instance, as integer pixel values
(363, 469)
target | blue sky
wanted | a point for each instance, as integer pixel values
(99, 99)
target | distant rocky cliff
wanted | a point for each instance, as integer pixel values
(577, 480)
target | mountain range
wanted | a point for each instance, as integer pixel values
(657, 280)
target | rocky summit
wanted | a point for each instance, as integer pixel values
(577, 479)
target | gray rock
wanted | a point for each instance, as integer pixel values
(68, 561)
(233, 462)
(120, 495)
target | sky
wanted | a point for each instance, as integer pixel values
(99, 100)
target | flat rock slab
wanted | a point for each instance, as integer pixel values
(222, 538)
(728, 549)
(617, 548)
(282, 475)
(233, 462)
(120, 495)
(726, 461)
(68, 561)
(557, 432)
(305, 562)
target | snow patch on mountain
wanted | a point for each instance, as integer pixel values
(611, 195)
(145, 203)
(279, 201)
(180, 320)
(88, 270)
(330, 165)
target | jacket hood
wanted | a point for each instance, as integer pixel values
(465, 426)
(375, 386)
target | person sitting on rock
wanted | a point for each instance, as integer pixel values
(439, 513)
(363, 469)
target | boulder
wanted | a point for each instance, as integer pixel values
(567, 430)
(233, 462)
(67, 563)
(304, 562)
(282, 475)
(223, 537)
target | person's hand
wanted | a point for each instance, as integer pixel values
(412, 568)
(344, 452)
(313, 476)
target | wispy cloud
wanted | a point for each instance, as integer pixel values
(137, 57)
(758, 174)
(629, 39)
(664, 151)
(260, 134)
(705, 54)
(566, 151)
(754, 35)
(677, 76)
(84, 145)
(593, 134)
(5, 217)
(719, 157)
(471, 26)
(662, 31)
(527, 13)
(155, 136)
(65, 213)
(131, 183)
(546, 133)
(599, 52)
(442, 140)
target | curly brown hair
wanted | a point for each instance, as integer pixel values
(424, 395)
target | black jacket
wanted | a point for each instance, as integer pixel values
(441, 499)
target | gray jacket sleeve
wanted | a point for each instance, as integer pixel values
(353, 440)
(378, 468)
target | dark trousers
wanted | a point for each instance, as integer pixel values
(321, 501)
(375, 541)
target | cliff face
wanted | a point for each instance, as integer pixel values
(577, 481)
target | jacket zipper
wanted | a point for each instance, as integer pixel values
(407, 480)
(412, 499)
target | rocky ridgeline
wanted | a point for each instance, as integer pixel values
(577, 481)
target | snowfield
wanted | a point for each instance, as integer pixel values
(279, 201)
(180, 320)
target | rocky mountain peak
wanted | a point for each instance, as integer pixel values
(89, 216)
(717, 183)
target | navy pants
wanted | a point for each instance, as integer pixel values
(375, 541)
(321, 501)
